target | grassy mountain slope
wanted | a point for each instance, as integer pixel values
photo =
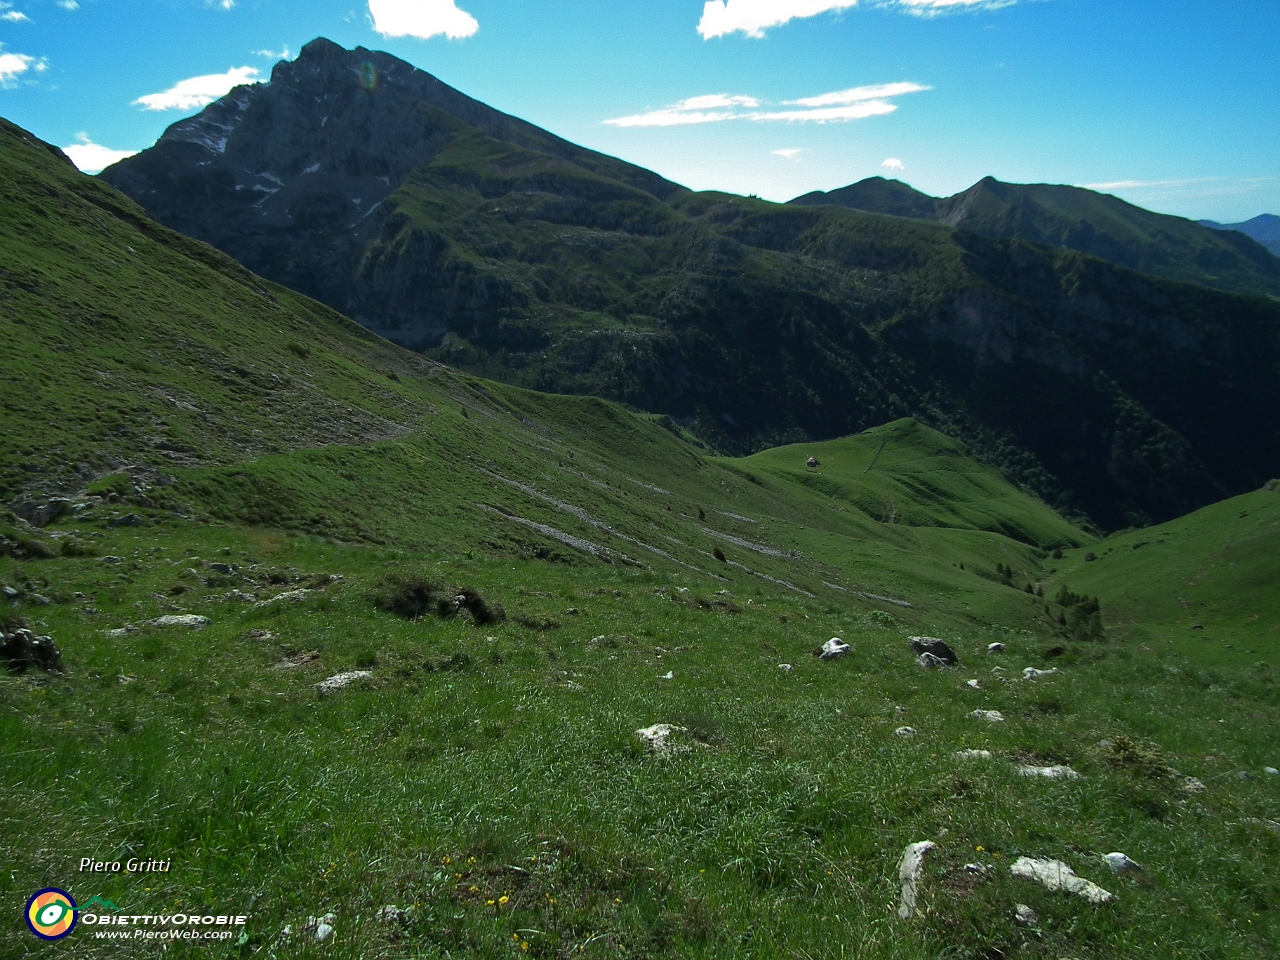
(132, 370)
(1097, 224)
(1110, 394)
(485, 775)
(1204, 584)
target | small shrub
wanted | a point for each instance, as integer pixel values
(408, 596)
(298, 350)
(75, 547)
(1143, 759)
(1081, 616)
(537, 623)
(466, 599)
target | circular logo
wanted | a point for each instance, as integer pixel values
(51, 914)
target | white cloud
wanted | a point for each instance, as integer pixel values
(710, 108)
(68, 4)
(879, 91)
(853, 111)
(198, 91)
(14, 65)
(893, 163)
(789, 154)
(224, 4)
(929, 8)
(714, 100)
(857, 103)
(421, 18)
(90, 157)
(1139, 184)
(281, 54)
(671, 117)
(14, 16)
(753, 17)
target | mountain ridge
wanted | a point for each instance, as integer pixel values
(752, 324)
(1264, 228)
(1074, 218)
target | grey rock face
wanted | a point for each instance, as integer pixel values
(289, 178)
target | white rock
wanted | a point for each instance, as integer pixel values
(973, 754)
(1056, 875)
(1050, 773)
(1025, 915)
(784, 667)
(997, 669)
(995, 648)
(991, 716)
(973, 683)
(658, 739)
(390, 914)
(1118, 862)
(291, 595)
(1271, 771)
(930, 661)
(1031, 673)
(669, 675)
(1193, 785)
(905, 732)
(341, 681)
(189, 620)
(909, 871)
(977, 869)
(835, 647)
(321, 929)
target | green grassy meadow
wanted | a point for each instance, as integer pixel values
(233, 451)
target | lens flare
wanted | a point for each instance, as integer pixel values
(369, 76)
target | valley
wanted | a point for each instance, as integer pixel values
(358, 640)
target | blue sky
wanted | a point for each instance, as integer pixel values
(1174, 105)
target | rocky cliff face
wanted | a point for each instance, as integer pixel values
(452, 228)
(289, 177)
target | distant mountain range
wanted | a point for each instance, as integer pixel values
(1094, 223)
(499, 248)
(1264, 228)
